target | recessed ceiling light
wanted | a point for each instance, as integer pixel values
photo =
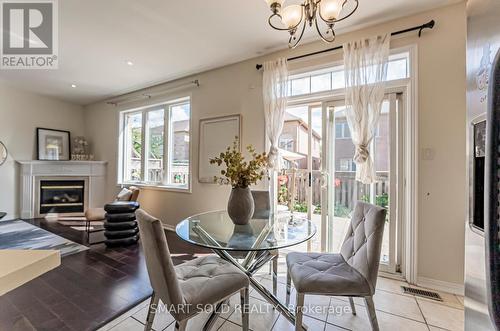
(73, 85)
(130, 63)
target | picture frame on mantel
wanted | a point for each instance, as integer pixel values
(53, 145)
(216, 134)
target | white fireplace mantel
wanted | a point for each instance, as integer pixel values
(31, 171)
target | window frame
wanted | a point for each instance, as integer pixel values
(309, 72)
(168, 140)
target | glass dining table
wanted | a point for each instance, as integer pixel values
(248, 247)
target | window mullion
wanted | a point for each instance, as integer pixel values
(166, 145)
(143, 145)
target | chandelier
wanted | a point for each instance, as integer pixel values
(292, 16)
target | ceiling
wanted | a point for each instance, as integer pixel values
(166, 40)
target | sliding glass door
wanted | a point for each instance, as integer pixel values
(299, 183)
(317, 179)
(344, 191)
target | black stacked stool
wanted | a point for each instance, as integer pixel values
(120, 225)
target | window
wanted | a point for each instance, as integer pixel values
(347, 165)
(286, 142)
(155, 145)
(342, 130)
(333, 78)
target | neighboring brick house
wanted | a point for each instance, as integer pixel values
(294, 138)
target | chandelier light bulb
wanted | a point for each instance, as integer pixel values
(291, 16)
(330, 9)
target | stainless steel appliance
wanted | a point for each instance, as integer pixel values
(482, 250)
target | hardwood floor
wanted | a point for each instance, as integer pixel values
(89, 289)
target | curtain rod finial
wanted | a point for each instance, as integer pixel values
(258, 66)
(429, 25)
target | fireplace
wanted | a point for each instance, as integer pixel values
(62, 196)
(54, 173)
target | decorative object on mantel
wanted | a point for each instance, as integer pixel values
(309, 13)
(80, 150)
(53, 145)
(240, 174)
(3, 153)
(215, 132)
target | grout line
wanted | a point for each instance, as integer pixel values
(168, 325)
(137, 320)
(327, 312)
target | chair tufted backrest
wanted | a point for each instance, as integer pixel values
(262, 204)
(363, 242)
(158, 261)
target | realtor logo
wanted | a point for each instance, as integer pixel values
(29, 38)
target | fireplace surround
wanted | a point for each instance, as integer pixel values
(61, 187)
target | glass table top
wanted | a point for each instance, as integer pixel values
(216, 230)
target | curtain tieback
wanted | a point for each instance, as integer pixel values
(272, 156)
(362, 153)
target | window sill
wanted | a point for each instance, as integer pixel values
(157, 187)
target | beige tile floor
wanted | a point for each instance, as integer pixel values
(395, 311)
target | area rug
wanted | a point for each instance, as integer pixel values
(18, 234)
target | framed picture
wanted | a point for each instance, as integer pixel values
(53, 144)
(216, 134)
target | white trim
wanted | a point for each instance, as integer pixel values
(410, 254)
(439, 285)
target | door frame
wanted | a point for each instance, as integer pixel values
(409, 145)
(409, 87)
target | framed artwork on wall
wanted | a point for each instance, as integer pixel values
(216, 134)
(53, 145)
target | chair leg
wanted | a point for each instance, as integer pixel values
(153, 306)
(275, 275)
(370, 308)
(353, 308)
(181, 326)
(299, 305)
(244, 309)
(288, 287)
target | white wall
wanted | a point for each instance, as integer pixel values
(20, 114)
(441, 112)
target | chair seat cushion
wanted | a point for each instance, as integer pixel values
(208, 280)
(325, 274)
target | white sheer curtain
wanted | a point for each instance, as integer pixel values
(274, 89)
(365, 64)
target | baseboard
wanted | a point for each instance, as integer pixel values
(439, 285)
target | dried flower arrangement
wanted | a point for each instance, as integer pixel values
(238, 172)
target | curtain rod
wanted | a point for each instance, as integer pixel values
(149, 93)
(420, 28)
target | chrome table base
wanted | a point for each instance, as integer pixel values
(251, 264)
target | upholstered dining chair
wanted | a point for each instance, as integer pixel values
(262, 209)
(188, 288)
(351, 273)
